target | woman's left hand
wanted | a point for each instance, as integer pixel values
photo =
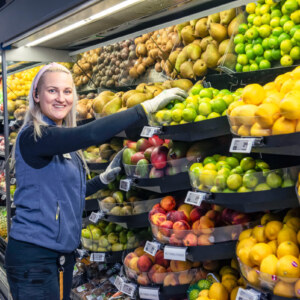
(113, 169)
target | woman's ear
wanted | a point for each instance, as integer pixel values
(36, 97)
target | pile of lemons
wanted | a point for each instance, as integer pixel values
(269, 254)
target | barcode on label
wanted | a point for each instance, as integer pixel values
(149, 131)
(151, 248)
(149, 293)
(125, 185)
(247, 294)
(94, 217)
(128, 289)
(175, 253)
(241, 145)
(118, 283)
(194, 198)
(97, 257)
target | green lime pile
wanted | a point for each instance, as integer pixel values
(201, 104)
(195, 289)
(237, 173)
(271, 34)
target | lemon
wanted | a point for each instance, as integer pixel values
(218, 291)
(298, 237)
(245, 234)
(273, 245)
(258, 252)
(297, 288)
(284, 289)
(253, 94)
(259, 233)
(203, 293)
(272, 229)
(229, 284)
(290, 105)
(286, 234)
(287, 248)
(266, 218)
(244, 256)
(253, 277)
(229, 276)
(227, 270)
(234, 264)
(294, 223)
(268, 267)
(288, 268)
(245, 243)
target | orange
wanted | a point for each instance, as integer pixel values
(284, 289)
(284, 126)
(290, 105)
(286, 234)
(272, 229)
(288, 268)
(258, 252)
(287, 248)
(253, 94)
(259, 233)
(218, 292)
(297, 288)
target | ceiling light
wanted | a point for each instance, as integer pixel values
(97, 16)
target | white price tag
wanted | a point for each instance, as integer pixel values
(194, 198)
(3, 197)
(81, 289)
(97, 257)
(249, 294)
(151, 247)
(118, 283)
(149, 293)
(125, 185)
(175, 253)
(13, 181)
(149, 131)
(82, 253)
(242, 145)
(128, 289)
(95, 217)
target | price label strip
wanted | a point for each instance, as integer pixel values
(128, 289)
(125, 185)
(175, 253)
(97, 257)
(195, 198)
(249, 294)
(241, 145)
(149, 293)
(149, 131)
(151, 247)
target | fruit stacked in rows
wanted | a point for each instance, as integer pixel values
(146, 269)
(269, 110)
(84, 108)
(269, 253)
(3, 223)
(106, 236)
(201, 104)
(236, 173)
(194, 226)
(226, 289)
(271, 33)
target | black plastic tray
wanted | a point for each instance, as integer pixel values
(267, 295)
(279, 198)
(91, 205)
(97, 166)
(197, 131)
(164, 184)
(133, 221)
(112, 256)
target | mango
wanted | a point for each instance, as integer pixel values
(267, 114)
(244, 114)
(284, 126)
(257, 130)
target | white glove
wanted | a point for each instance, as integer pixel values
(113, 169)
(163, 99)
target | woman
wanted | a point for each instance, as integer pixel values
(50, 173)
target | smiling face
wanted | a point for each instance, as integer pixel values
(55, 95)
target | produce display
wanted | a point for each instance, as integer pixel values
(271, 34)
(84, 108)
(269, 254)
(3, 222)
(226, 289)
(201, 104)
(187, 225)
(146, 269)
(238, 173)
(107, 236)
(269, 110)
(103, 153)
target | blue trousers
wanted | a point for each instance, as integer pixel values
(32, 271)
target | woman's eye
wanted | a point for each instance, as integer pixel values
(52, 90)
(68, 92)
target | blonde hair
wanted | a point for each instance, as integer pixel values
(34, 114)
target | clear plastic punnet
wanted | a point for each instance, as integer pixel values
(218, 179)
(158, 169)
(127, 208)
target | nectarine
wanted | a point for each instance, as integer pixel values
(180, 229)
(190, 240)
(144, 263)
(168, 203)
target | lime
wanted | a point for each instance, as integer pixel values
(247, 163)
(250, 171)
(284, 19)
(294, 29)
(262, 187)
(257, 21)
(210, 166)
(199, 118)
(204, 284)
(243, 189)
(295, 17)
(274, 180)
(250, 180)
(193, 294)
(234, 181)
(207, 177)
(238, 67)
(254, 67)
(276, 13)
(258, 50)
(248, 47)
(290, 6)
(261, 165)
(239, 156)
(264, 9)
(264, 64)
(283, 36)
(228, 99)
(275, 22)
(265, 43)
(250, 18)
(239, 38)
(251, 33)
(242, 59)
(250, 8)
(216, 157)
(223, 157)
(243, 28)
(167, 116)
(206, 93)
(213, 115)
(296, 35)
(209, 159)
(277, 31)
(179, 106)
(173, 123)
(221, 163)
(193, 106)
(257, 41)
(250, 54)
(189, 114)
(286, 60)
(220, 181)
(177, 114)
(288, 26)
(224, 171)
(218, 105)
(196, 166)
(195, 90)
(232, 162)
(276, 54)
(237, 170)
(273, 42)
(265, 30)
(239, 48)
(266, 18)
(286, 46)
(295, 53)
(159, 116)
(215, 92)
(204, 108)
(268, 54)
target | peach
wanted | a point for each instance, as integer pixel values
(156, 210)
(133, 264)
(186, 208)
(166, 228)
(201, 274)
(196, 214)
(161, 237)
(206, 225)
(159, 259)
(195, 227)
(174, 240)
(170, 215)
(185, 277)
(128, 258)
(179, 216)
(204, 240)
(211, 265)
(152, 258)
(139, 251)
(180, 229)
(171, 280)
(168, 203)
(217, 207)
(158, 218)
(144, 263)
(178, 266)
(211, 214)
(196, 264)
(143, 279)
(157, 274)
(190, 240)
